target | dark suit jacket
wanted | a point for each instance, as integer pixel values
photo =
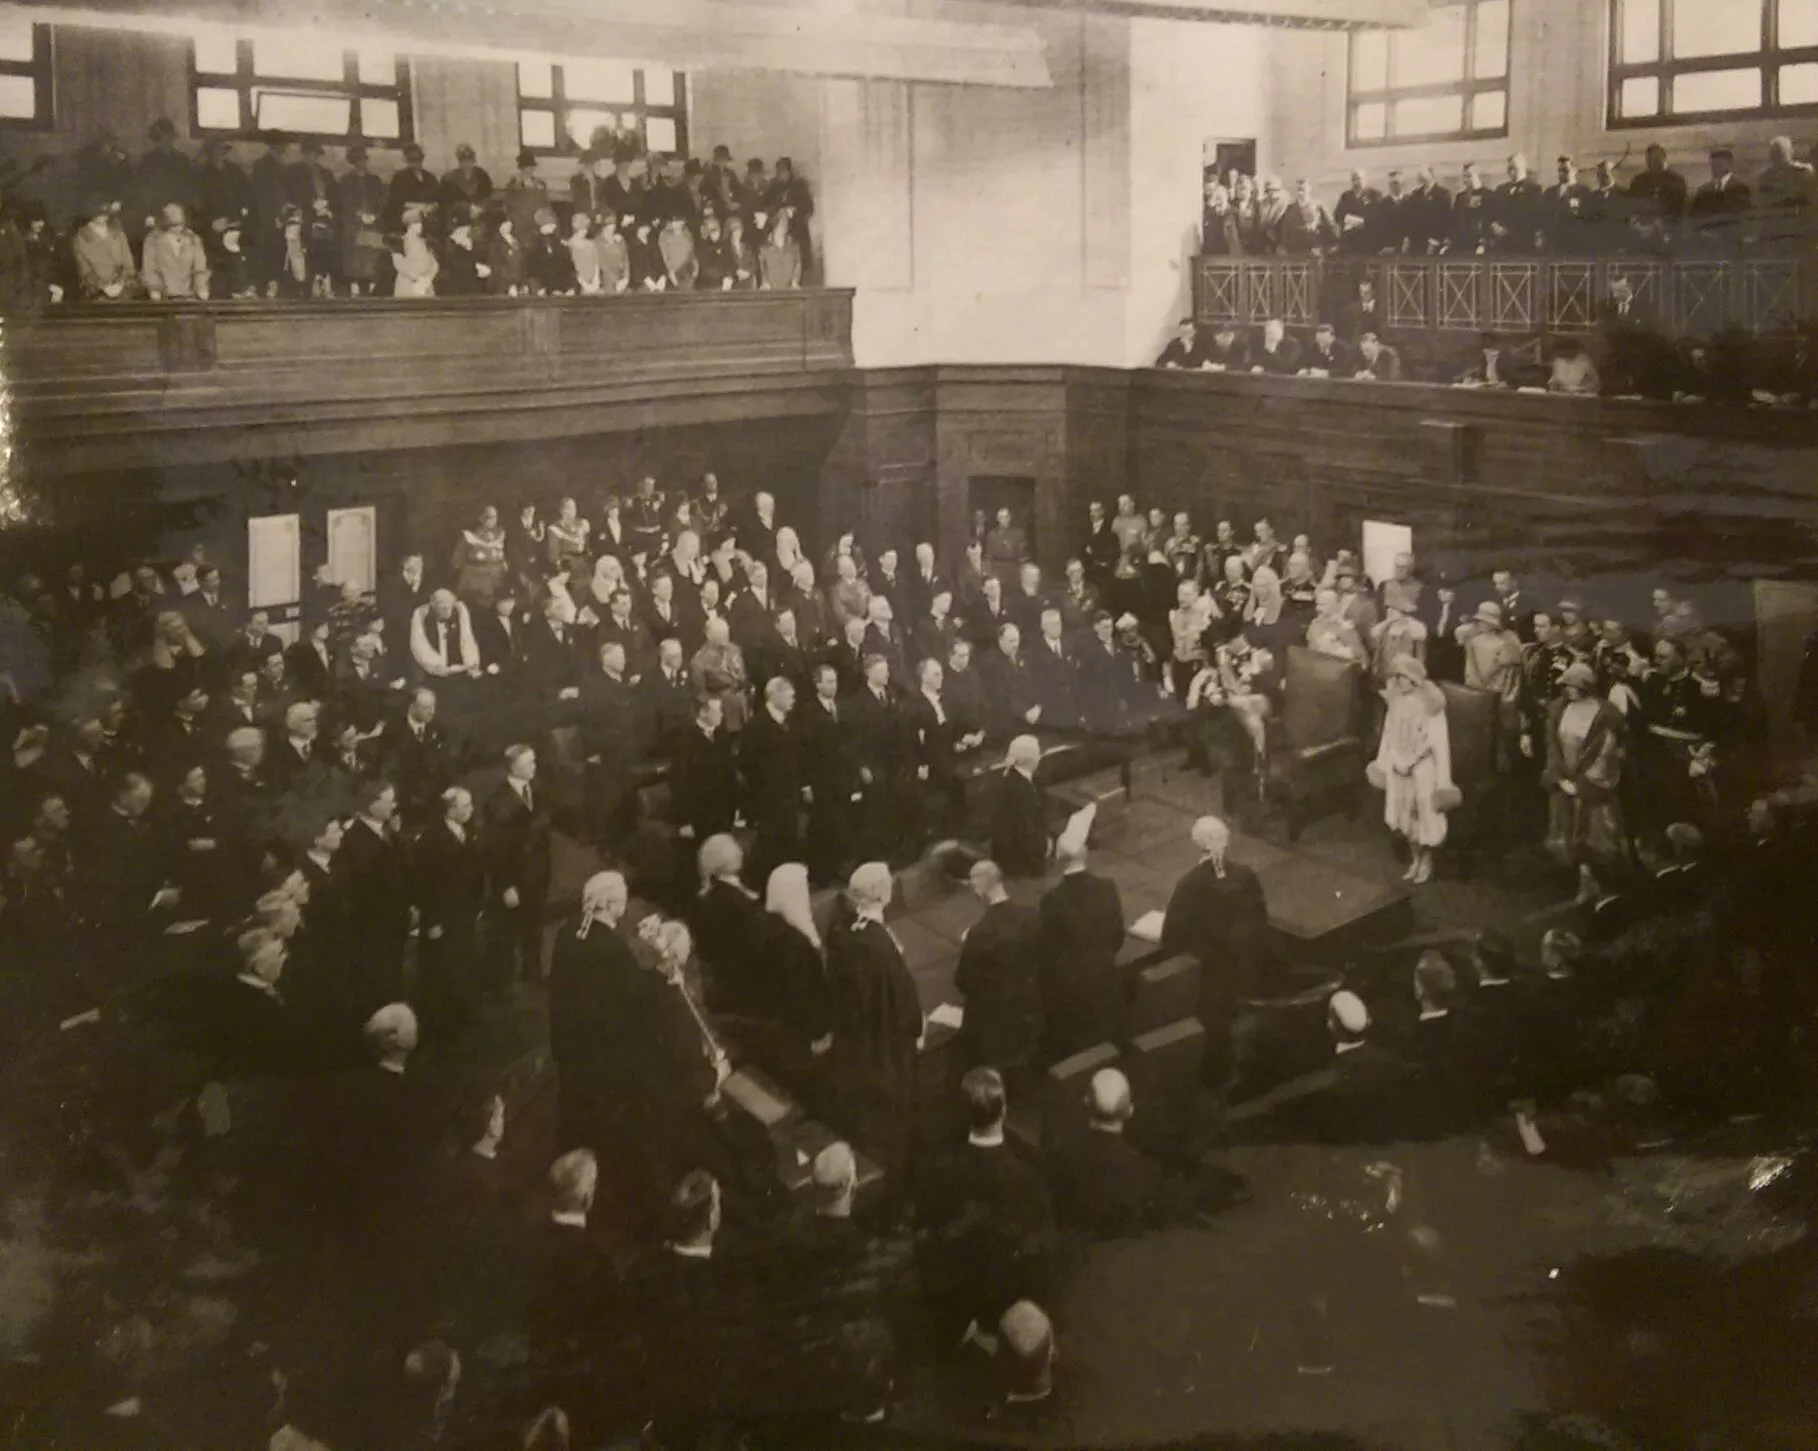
(497, 645)
(451, 882)
(422, 768)
(589, 979)
(550, 665)
(1083, 992)
(999, 971)
(1105, 1188)
(877, 735)
(314, 677)
(665, 709)
(988, 1221)
(1009, 691)
(1285, 361)
(517, 842)
(1019, 826)
(769, 758)
(1054, 681)
(703, 782)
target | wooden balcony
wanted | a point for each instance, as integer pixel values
(1443, 302)
(142, 385)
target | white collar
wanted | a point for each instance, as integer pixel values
(253, 980)
(692, 1251)
(1427, 1015)
(868, 914)
(986, 1138)
(1341, 1049)
(1492, 982)
(569, 1218)
(387, 1066)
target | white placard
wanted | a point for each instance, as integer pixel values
(1381, 543)
(274, 561)
(353, 547)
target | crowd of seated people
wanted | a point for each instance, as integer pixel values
(171, 228)
(328, 860)
(1626, 355)
(1655, 213)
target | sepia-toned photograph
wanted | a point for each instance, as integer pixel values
(891, 725)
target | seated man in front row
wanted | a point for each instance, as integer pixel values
(1183, 349)
(1278, 353)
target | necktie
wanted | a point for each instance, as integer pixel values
(527, 802)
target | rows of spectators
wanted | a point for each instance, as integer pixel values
(1655, 213)
(167, 227)
(327, 861)
(1626, 355)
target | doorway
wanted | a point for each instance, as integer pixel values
(1221, 158)
(986, 496)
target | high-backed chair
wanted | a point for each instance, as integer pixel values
(1316, 750)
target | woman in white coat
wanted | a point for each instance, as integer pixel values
(1413, 765)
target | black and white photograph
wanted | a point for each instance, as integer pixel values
(889, 725)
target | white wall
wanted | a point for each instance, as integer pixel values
(1189, 83)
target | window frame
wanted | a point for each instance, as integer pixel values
(245, 80)
(557, 105)
(42, 76)
(1466, 89)
(1767, 60)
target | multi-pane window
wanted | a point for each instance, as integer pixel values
(1445, 79)
(300, 84)
(25, 73)
(1696, 60)
(560, 107)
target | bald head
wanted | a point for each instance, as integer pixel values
(1025, 753)
(391, 1032)
(1110, 1102)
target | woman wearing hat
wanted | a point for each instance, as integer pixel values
(526, 194)
(104, 258)
(1583, 774)
(364, 255)
(1413, 765)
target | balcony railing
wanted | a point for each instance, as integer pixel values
(1685, 298)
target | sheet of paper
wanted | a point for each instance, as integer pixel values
(948, 1015)
(1148, 927)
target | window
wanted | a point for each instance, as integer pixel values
(1699, 60)
(25, 74)
(300, 84)
(1447, 79)
(561, 106)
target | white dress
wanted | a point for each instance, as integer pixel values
(1414, 765)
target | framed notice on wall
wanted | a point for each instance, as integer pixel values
(1382, 541)
(274, 569)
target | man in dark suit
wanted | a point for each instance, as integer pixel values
(372, 863)
(1217, 916)
(1010, 699)
(499, 632)
(623, 627)
(420, 761)
(401, 595)
(1082, 926)
(878, 751)
(250, 1030)
(293, 758)
(1226, 351)
(703, 779)
(665, 700)
(450, 891)
(963, 689)
(1019, 815)
(1720, 207)
(516, 835)
(1365, 1097)
(830, 774)
(552, 669)
(311, 663)
(1276, 352)
(609, 743)
(938, 746)
(770, 764)
(1426, 216)
(124, 879)
(1053, 673)
(986, 1215)
(1328, 357)
(1102, 1186)
(360, 692)
(999, 973)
